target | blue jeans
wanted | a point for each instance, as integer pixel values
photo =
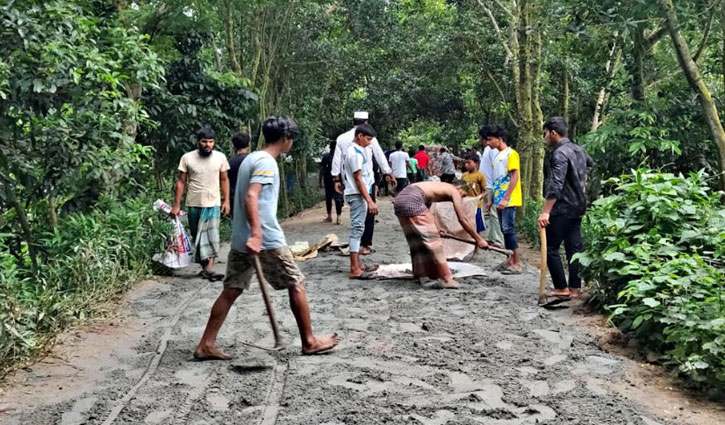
(507, 218)
(358, 212)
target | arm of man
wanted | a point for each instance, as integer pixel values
(336, 168)
(465, 222)
(512, 185)
(559, 168)
(382, 161)
(360, 184)
(178, 193)
(224, 180)
(254, 243)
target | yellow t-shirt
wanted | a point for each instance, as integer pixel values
(475, 183)
(505, 161)
(203, 178)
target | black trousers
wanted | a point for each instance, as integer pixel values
(332, 195)
(367, 237)
(448, 178)
(402, 183)
(569, 231)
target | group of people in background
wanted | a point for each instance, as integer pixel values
(247, 187)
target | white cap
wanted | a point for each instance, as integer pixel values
(360, 115)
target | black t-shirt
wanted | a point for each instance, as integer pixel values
(234, 163)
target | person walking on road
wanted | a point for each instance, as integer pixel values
(506, 194)
(205, 171)
(359, 185)
(399, 164)
(493, 232)
(256, 231)
(344, 141)
(423, 161)
(446, 166)
(329, 185)
(240, 141)
(565, 205)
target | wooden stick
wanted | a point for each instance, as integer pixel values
(278, 341)
(543, 270)
(468, 241)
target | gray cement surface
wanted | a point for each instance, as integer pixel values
(484, 354)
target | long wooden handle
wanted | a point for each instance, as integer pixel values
(543, 269)
(468, 241)
(278, 342)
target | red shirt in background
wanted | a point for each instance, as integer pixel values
(423, 159)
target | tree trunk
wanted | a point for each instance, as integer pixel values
(229, 39)
(692, 73)
(217, 55)
(536, 176)
(611, 68)
(565, 92)
(52, 214)
(640, 51)
(24, 225)
(526, 134)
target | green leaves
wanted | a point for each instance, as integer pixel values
(651, 255)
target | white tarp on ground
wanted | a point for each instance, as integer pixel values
(447, 221)
(405, 271)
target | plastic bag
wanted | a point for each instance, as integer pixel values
(178, 252)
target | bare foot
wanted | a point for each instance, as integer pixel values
(327, 219)
(212, 353)
(356, 273)
(451, 284)
(575, 293)
(321, 344)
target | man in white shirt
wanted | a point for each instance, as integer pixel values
(359, 181)
(344, 141)
(490, 218)
(399, 161)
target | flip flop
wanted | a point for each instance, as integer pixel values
(212, 277)
(372, 250)
(510, 271)
(372, 268)
(554, 302)
(366, 275)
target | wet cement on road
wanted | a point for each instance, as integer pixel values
(484, 354)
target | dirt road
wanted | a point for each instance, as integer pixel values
(484, 354)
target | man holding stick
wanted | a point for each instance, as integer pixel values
(426, 246)
(565, 205)
(256, 231)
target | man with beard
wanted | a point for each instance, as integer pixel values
(206, 171)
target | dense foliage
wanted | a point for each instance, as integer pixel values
(99, 99)
(656, 259)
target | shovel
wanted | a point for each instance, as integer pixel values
(278, 341)
(469, 241)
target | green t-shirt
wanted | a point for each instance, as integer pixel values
(412, 165)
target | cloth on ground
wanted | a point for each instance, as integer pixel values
(404, 271)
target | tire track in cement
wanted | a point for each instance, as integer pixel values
(154, 364)
(276, 389)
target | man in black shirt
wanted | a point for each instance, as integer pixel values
(241, 149)
(565, 205)
(330, 192)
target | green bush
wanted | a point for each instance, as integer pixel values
(87, 259)
(654, 259)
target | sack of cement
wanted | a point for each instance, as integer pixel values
(178, 252)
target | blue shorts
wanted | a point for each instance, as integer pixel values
(480, 225)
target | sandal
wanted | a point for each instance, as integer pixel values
(366, 275)
(510, 271)
(211, 276)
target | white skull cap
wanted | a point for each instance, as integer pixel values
(360, 115)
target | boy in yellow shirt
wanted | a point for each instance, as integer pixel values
(506, 193)
(475, 186)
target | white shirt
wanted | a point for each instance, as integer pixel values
(398, 161)
(344, 141)
(358, 158)
(487, 159)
